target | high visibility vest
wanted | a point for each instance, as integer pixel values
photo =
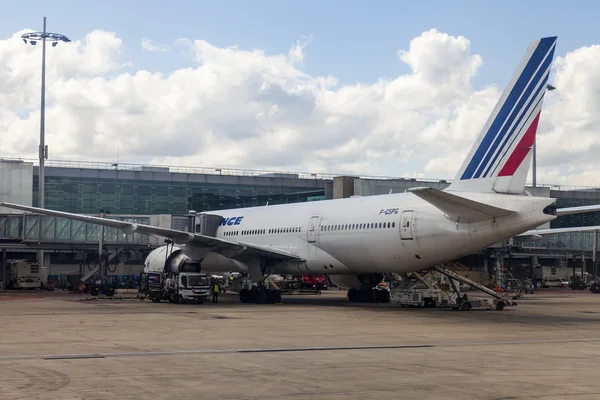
(216, 289)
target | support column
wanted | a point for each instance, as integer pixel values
(534, 261)
(101, 262)
(594, 267)
(4, 269)
(486, 267)
(499, 267)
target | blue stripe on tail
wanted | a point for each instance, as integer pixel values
(489, 144)
(540, 76)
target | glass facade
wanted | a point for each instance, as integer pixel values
(576, 198)
(157, 190)
(161, 192)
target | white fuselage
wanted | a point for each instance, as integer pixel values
(374, 234)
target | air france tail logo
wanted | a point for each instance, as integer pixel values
(231, 221)
(516, 117)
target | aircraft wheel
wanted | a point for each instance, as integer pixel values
(353, 294)
(269, 296)
(383, 296)
(369, 296)
(259, 296)
(245, 295)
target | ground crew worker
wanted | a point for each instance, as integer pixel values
(216, 292)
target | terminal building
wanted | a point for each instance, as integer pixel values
(163, 195)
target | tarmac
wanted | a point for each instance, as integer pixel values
(54, 346)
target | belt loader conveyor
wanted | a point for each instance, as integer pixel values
(422, 291)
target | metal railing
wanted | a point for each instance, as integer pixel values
(256, 172)
(208, 170)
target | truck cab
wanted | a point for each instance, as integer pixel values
(192, 287)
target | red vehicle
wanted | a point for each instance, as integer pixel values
(318, 282)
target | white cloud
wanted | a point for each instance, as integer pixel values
(297, 52)
(245, 108)
(149, 45)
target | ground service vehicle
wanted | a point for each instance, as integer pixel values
(24, 275)
(318, 282)
(170, 275)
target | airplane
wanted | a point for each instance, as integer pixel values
(356, 240)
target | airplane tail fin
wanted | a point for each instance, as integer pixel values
(499, 160)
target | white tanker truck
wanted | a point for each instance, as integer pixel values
(170, 275)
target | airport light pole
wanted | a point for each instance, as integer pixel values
(33, 38)
(534, 167)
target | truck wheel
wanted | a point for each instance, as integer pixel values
(180, 299)
(500, 306)
(156, 299)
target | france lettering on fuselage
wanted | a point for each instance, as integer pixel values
(231, 221)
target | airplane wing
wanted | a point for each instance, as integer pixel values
(457, 207)
(217, 245)
(577, 210)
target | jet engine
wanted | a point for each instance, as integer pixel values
(171, 260)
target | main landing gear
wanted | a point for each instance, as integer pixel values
(364, 295)
(260, 295)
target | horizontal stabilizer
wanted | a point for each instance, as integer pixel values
(458, 208)
(577, 210)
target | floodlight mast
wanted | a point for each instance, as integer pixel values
(33, 38)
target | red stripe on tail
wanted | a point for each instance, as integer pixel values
(522, 149)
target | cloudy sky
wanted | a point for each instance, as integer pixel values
(378, 87)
